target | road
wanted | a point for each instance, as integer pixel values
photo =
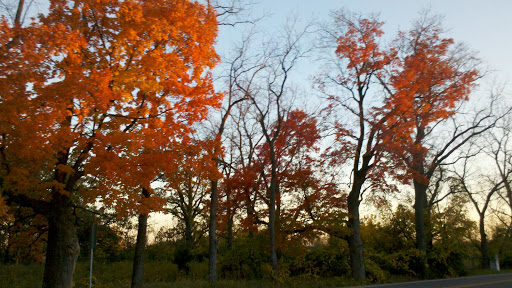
(486, 281)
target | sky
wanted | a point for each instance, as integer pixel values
(485, 26)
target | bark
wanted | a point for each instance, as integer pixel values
(140, 246)
(483, 243)
(138, 260)
(250, 215)
(17, 19)
(212, 264)
(354, 240)
(63, 249)
(272, 222)
(189, 224)
(230, 230)
(420, 191)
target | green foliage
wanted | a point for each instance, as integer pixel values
(501, 244)
(105, 275)
(451, 243)
(21, 276)
(401, 262)
(108, 248)
(374, 274)
(198, 270)
(247, 259)
(322, 261)
(161, 251)
(160, 271)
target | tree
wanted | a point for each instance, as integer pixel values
(498, 147)
(480, 194)
(189, 186)
(360, 61)
(432, 79)
(85, 90)
(269, 108)
(233, 97)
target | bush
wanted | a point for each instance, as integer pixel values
(445, 262)
(161, 251)
(329, 260)
(160, 271)
(245, 259)
(198, 270)
(374, 273)
(402, 262)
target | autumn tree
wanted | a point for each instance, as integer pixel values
(189, 186)
(229, 13)
(431, 81)
(234, 95)
(269, 108)
(242, 187)
(92, 96)
(352, 89)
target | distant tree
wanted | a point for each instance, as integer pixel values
(480, 196)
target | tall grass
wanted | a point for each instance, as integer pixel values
(162, 274)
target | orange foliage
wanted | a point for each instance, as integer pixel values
(427, 84)
(97, 95)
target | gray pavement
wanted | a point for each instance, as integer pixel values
(486, 281)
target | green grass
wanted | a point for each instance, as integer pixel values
(157, 275)
(21, 276)
(477, 272)
(166, 275)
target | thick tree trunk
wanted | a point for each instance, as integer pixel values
(354, 240)
(429, 233)
(140, 245)
(483, 243)
(420, 191)
(212, 265)
(63, 249)
(189, 239)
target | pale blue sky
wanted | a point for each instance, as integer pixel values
(485, 26)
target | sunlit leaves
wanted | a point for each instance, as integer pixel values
(105, 90)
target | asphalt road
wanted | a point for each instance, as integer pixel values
(486, 281)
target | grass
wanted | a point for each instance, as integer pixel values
(157, 275)
(166, 275)
(477, 272)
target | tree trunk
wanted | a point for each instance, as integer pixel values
(230, 230)
(272, 222)
(212, 264)
(354, 240)
(19, 11)
(140, 245)
(63, 249)
(189, 239)
(420, 191)
(250, 215)
(429, 233)
(483, 243)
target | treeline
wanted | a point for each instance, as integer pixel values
(110, 114)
